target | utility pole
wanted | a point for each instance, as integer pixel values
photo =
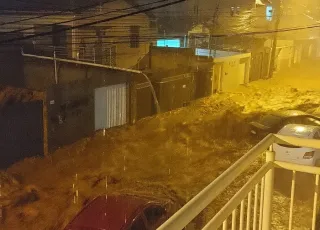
(278, 14)
(213, 31)
(196, 11)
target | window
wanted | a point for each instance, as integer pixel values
(134, 36)
(154, 213)
(138, 224)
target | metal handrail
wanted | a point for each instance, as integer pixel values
(218, 220)
(297, 168)
(188, 212)
(266, 174)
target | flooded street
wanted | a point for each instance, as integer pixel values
(174, 155)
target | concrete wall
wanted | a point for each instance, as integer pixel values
(175, 92)
(11, 67)
(231, 69)
(71, 108)
(70, 112)
(204, 83)
(71, 101)
(144, 101)
(231, 72)
(40, 74)
(23, 122)
(171, 58)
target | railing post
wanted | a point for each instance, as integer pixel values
(94, 54)
(268, 193)
(55, 65)
(110, 53)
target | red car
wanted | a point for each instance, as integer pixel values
(122, 213)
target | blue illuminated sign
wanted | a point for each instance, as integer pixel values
(173, 43)
(269, 12)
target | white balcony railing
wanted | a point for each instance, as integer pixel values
(257, 192)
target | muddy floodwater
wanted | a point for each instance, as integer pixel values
(174, 155)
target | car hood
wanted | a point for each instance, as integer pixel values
(116, 212)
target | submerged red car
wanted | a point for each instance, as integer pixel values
(122, 212)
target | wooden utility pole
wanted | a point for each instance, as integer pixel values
(278, 14)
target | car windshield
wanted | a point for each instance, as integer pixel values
(270, 120)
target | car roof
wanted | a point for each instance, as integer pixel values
(116, 211)
(303, 131)
(289, 113)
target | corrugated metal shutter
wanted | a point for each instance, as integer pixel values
(110, 106)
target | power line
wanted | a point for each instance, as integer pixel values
(288, 29)
(92, 23)
(56, 13)
(215, 21)
(82, 18)
(37, 2)
(182, 37)
(57, 18)
(152, 38)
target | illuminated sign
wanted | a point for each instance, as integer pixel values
(173, 43)
(269, 12)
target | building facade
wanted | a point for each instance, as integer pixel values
(122, 42)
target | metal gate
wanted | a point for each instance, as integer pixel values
(110, 106)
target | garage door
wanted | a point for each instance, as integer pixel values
(21, 132)
(110, 106)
